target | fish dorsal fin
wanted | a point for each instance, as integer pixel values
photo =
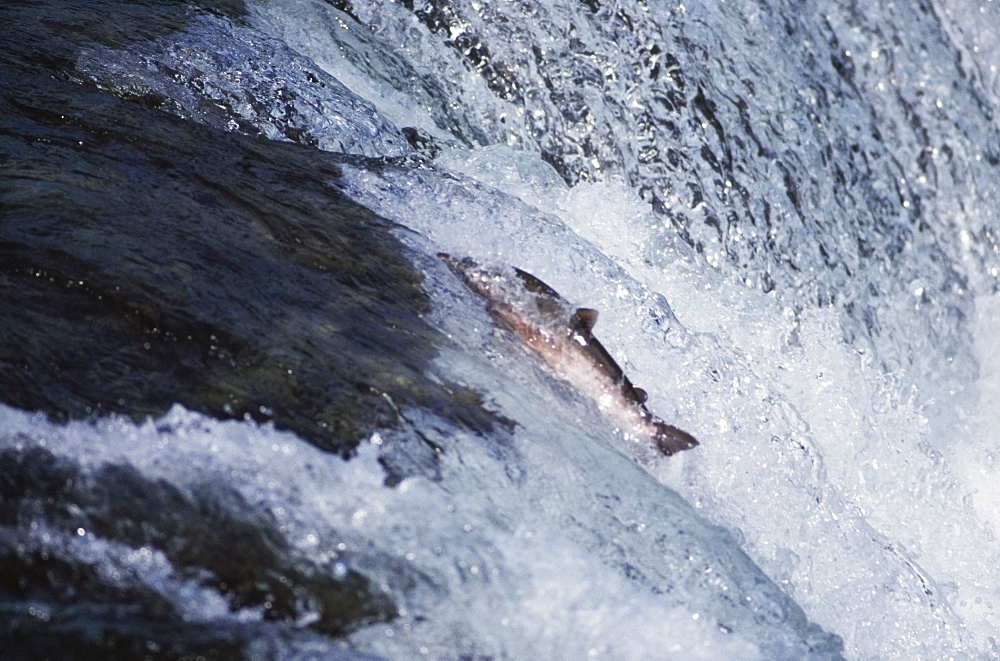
(583, 320)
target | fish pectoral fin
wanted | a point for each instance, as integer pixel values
(640, 395)
(583, 320)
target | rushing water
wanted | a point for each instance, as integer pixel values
(247, 412)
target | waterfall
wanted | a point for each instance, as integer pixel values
(248, 412)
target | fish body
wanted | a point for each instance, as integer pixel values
(563, 336)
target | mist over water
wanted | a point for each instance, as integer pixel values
(784, 212)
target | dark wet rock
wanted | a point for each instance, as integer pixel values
(109, 631)
(146, 261)
(93, 630)
(50, 34)
(210, 535)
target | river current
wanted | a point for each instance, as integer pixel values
(246, 412)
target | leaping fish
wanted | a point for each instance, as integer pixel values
(563, 335)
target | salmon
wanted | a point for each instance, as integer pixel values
(563, 336)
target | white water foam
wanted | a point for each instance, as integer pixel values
(820, 462)
(513, 584)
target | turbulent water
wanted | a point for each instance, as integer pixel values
(247, 412)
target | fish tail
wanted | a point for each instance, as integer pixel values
(671, 440)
